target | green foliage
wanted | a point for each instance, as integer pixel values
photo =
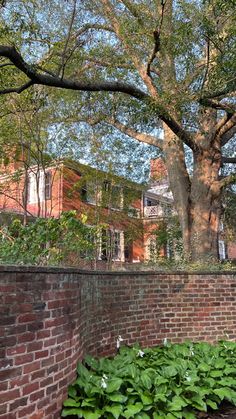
(50, 241)
(174, 381)
(178, 265)
(166, 235)
(229, 216)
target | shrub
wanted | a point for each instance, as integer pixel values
(48, 241)
(174, 381)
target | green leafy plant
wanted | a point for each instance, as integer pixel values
(50, 241)
(173, 381)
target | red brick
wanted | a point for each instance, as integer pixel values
(26, 337)
(46, 401)
(20, 349)
(2, 353)
(19, 381)
(5, 363)
(31, 367)
(54, 322)
(51, 409)
(7, 288)
(8, 416)
(38, 395)
(3, 409)
(7, 341)
(25, 307)
(35, 326)
(42, 334)
(47, 381)
(10, 395)
(38, 374)
(3, 386)
(23, 359)
(30, 388)
(26, 411)
(34, 346)
(55, 304)
(51, 389)
(49, 342)
(99, 320)
(37, 415)
(10, 373)
(41, 354)
(8, 320)
(26, 318)
(60, 357)
(19, 402)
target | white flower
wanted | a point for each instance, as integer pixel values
(191, 351)
(140, 353)
(187, 376)
(165, 342)
(119, 339)
(103, 381)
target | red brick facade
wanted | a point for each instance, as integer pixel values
(65, 194)
(50, 318)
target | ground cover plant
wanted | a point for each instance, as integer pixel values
(170, 381)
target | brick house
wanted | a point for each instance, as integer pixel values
(66, 185)
(131, 215)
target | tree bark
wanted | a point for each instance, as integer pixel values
(179, 184)
(205, 205)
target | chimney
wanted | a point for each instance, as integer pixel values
(158, 169)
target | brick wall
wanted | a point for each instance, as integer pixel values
(49, 318)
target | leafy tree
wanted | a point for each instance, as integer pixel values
(66, 240)
(149, 63)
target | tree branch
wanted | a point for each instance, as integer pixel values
(228, 159)
(215, 104)
(228, 180)
(95, 26)
(61, 69)
(228, 135)
(131, 132)
(130, 6)
(156, 35)
(106, 86)
(227, 129)
(54, 81)
(18, 90)
(6, 65)
(220, 94)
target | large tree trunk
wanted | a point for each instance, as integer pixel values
(197, 200)
(179, 184)
(205, 206)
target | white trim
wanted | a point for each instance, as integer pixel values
(221, 249)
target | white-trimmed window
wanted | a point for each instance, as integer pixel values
(48, 185)
(221, 248)
(112, 245)
(88, 193)
(39, 186)
(118, 245)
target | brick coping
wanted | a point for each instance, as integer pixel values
(71, 270)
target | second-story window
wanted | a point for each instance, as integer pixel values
(88, 193)
(111, 195)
